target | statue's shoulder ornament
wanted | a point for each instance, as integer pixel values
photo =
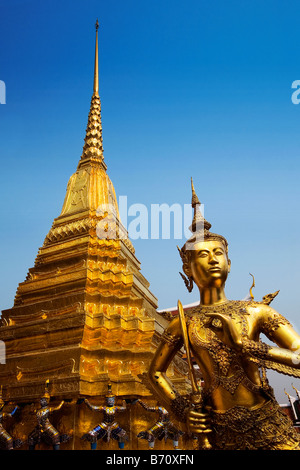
(272, 319)
(267, 299)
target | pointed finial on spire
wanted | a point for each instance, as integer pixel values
(93, 147)
(96, 66)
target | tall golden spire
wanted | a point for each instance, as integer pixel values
(93, 147)
(96, 66)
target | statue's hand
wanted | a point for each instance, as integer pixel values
(198, 422)
(230, 331)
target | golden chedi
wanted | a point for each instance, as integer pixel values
(84, 316)
(235, 407)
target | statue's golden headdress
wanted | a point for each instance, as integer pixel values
(46, 392)
(199, 223)
(109, 391)
(200, 229)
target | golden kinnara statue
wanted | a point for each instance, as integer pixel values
(235, 409)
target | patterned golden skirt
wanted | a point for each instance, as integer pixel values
(261, 428)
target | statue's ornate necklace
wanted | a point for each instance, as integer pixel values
(228, 371)
(235, 309)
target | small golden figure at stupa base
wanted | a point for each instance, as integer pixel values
(108, 428)
(45, 432)
(162, 429)
(7, 442)
(238, 409)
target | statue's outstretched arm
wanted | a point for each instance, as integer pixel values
(57, 407)
(93, 407)
(10, 415)
(281, 332)
(13, 411)
(123, 407)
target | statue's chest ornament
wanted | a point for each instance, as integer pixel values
(228, 371)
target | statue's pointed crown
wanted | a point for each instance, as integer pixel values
(199, 222)
(46, 392)
(200, 228)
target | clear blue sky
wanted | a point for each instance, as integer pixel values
(191, 88)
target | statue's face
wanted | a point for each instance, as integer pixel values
(209, 264)
(110, 401)
(43, 402)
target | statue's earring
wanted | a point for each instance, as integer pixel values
(188, 282)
